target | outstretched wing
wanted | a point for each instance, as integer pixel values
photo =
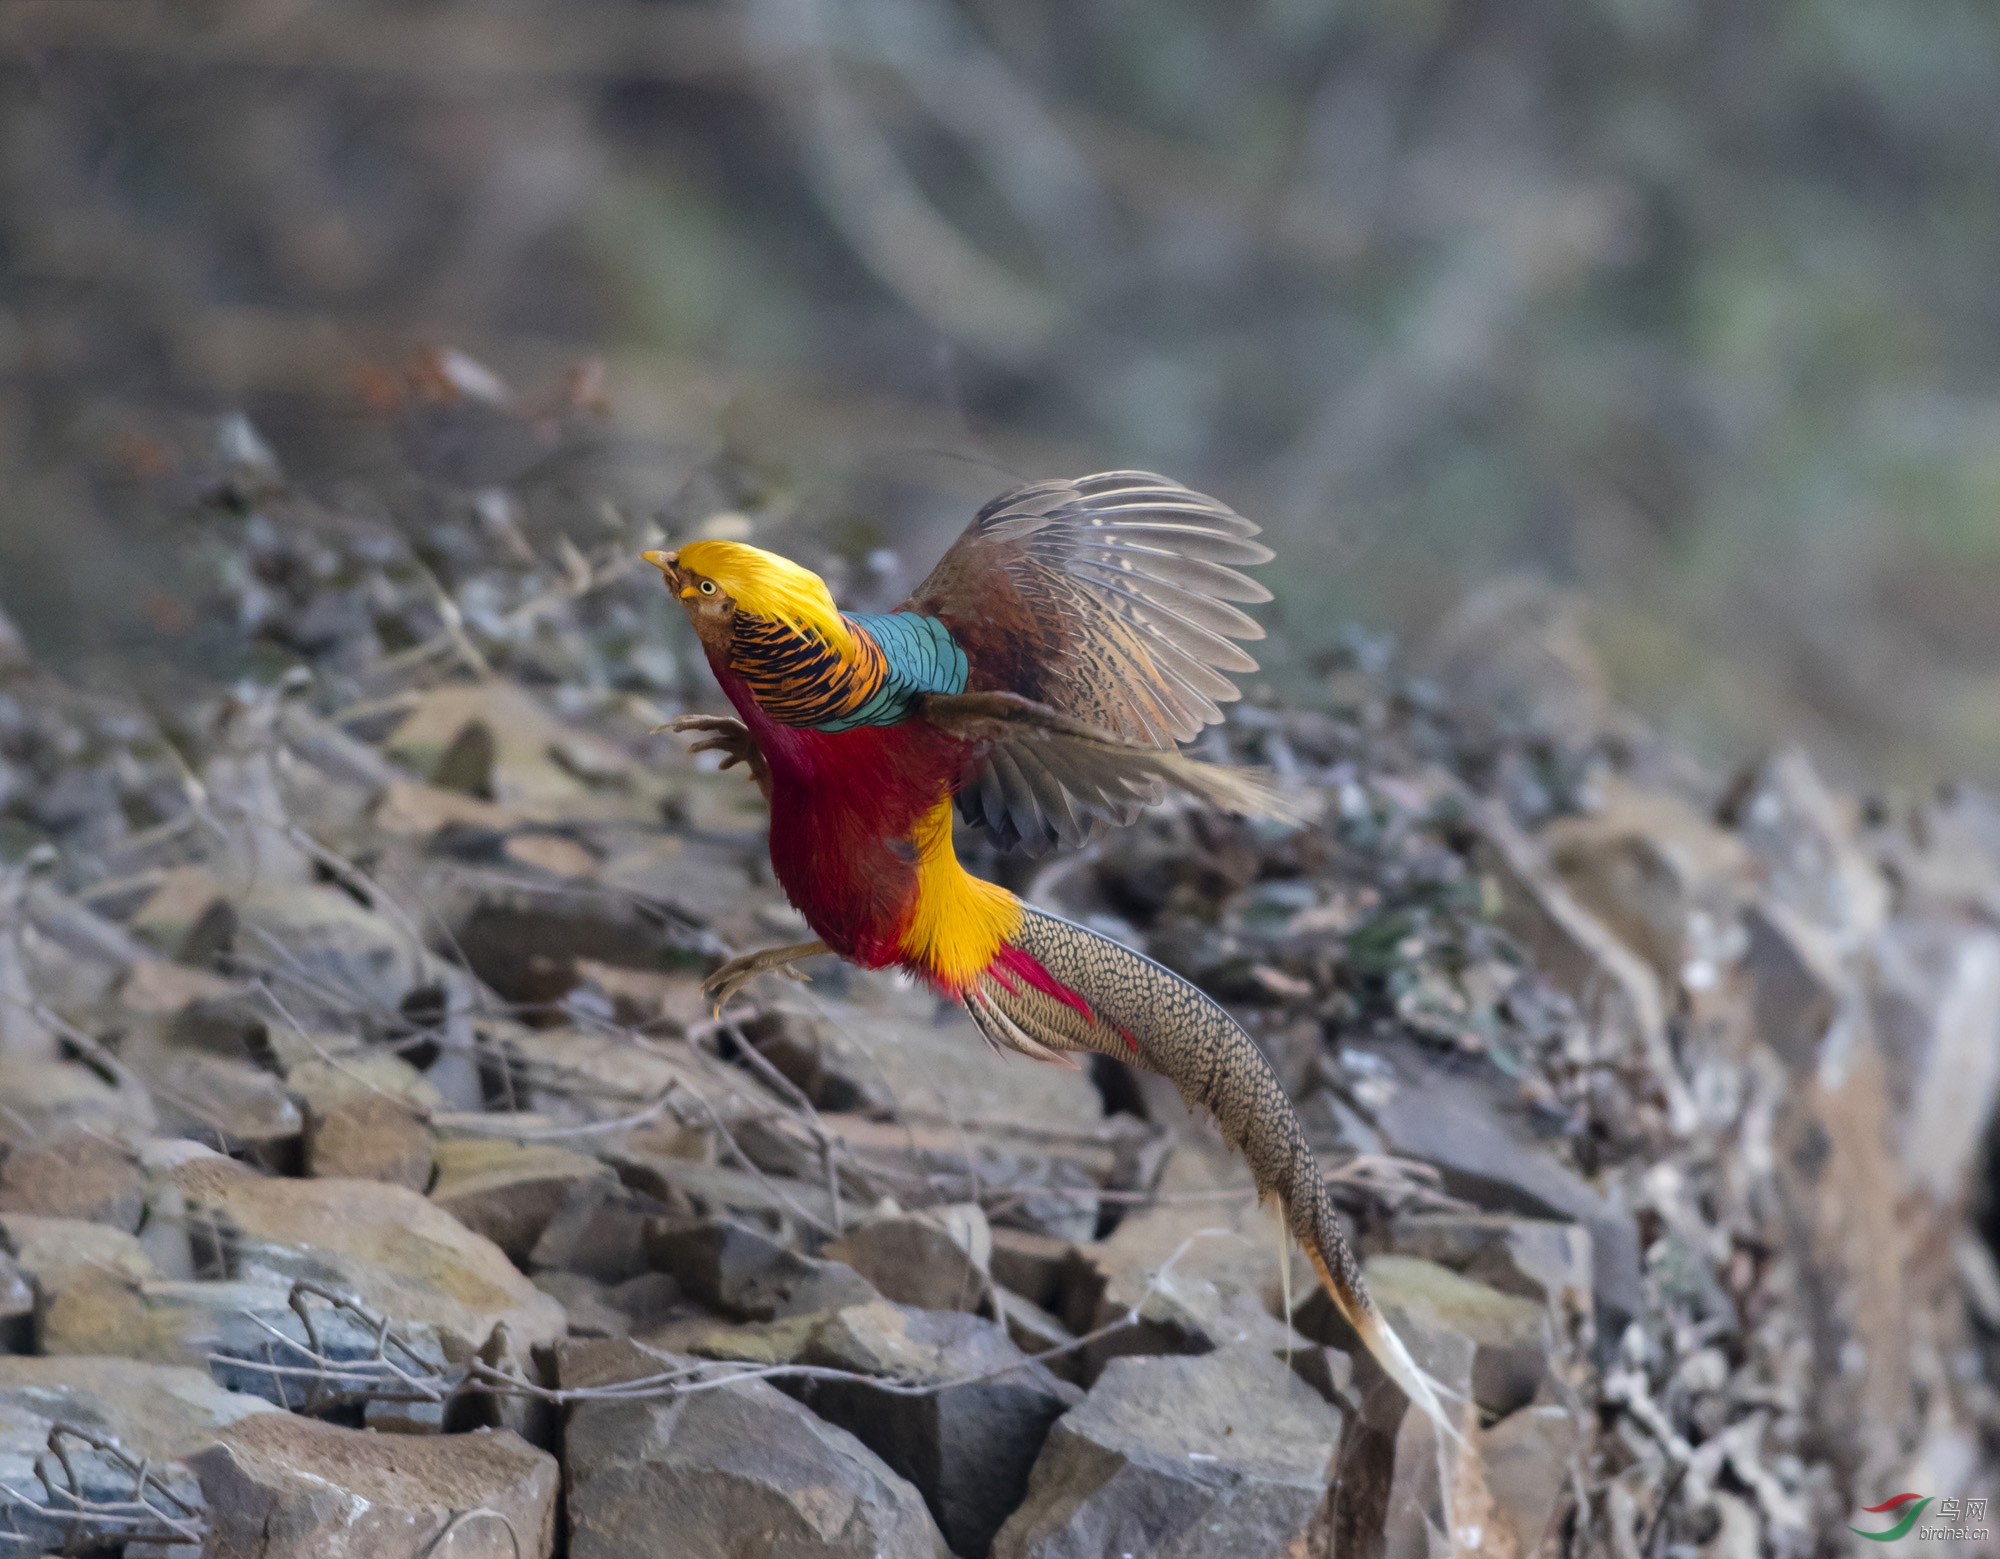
(1043, 775)
(1107, 601)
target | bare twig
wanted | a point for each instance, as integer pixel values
(152, 1512)
(465, 1518)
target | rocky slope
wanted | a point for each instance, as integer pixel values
(375, 1175)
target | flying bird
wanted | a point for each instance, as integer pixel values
(1039, 682)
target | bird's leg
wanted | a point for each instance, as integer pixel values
(731, 737)
(732, 976)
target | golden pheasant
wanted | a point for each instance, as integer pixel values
(1039, 680)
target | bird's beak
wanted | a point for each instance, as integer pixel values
(665, 562)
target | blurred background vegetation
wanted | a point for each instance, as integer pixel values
(1687, 309)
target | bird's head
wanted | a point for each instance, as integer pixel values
(714, 580)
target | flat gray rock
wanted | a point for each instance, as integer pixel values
(751, 1277)
(370, 1136)
(357, 955)
(47, 1098)
(283, 1487)
(508, 1191)
(79, 1174)
(58, 1252)
(100, 1294)
(230, 1328)
(1221, 1456)
(1812, 867)
(1487, 1158)
(153, 1412)
(1527, 1458)
(1937, 1008)
(229, 1104)
(1472, 1338)
(741, 1470)
(386, 1245)
(1536, 1258)
(17, 1308)
(914, 1260)
(968, 1448)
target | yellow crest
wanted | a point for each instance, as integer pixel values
(767, 585)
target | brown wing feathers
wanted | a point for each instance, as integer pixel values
(1104, 600)
(1110, 596)
(1048, 775)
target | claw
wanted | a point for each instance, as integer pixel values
(731, 753)
(714, 728)
(721, 987)
(725, 982)
(729, 736)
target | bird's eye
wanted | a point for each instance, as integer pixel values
(708, 587)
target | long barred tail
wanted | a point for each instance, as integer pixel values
(1058, 987)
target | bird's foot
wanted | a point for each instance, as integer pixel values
(729, 736)
(738, 972)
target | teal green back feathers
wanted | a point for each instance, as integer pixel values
(920, 656)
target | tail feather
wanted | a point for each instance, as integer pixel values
(1077, 990)
(1003, 1033)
